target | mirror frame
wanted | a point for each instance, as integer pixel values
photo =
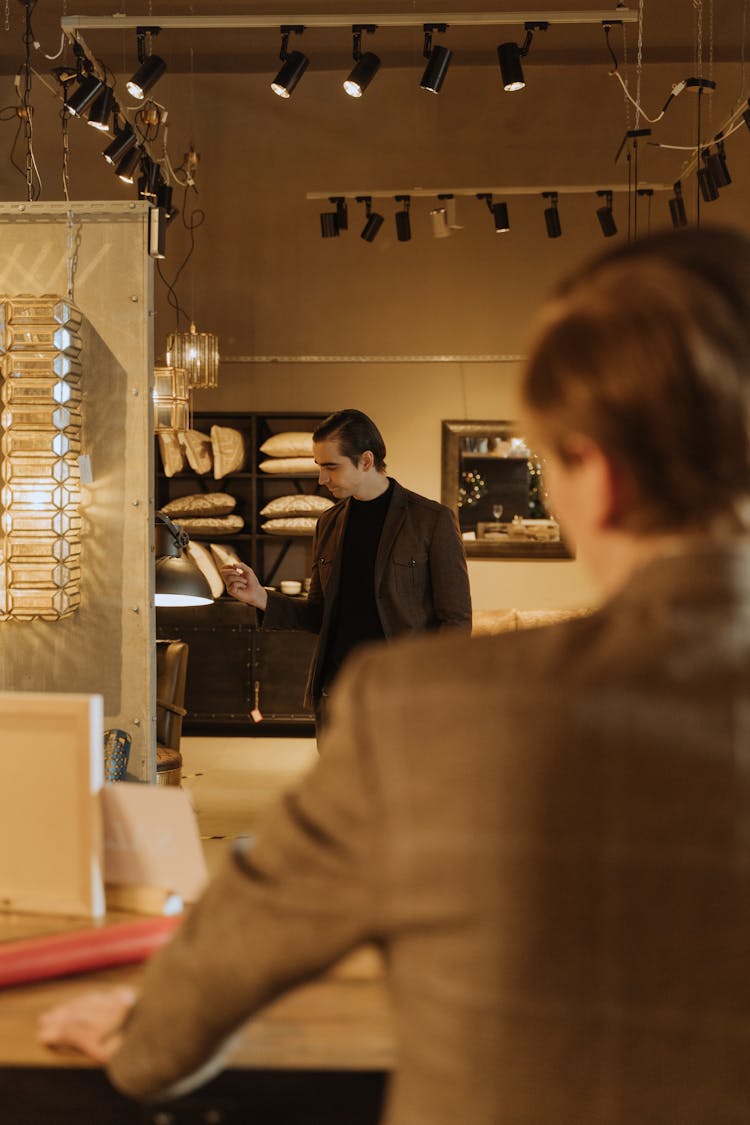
(452, 434)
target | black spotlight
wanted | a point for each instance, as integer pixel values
(125, 170)
(677, 207)
(373, 222)
(438, 59)
(500, 217)
(116, 149)
(716, 162)
(605, 215)
(329, 227)
(551, 215)
(148, 181)
(746, 114)
(509, 57)
(365, 66)
(708, 188)
(101, 109)
(403, 221)
(342, 214)
(164, 201)
(84, 94)
(499, 212)
(151, 66)
(295, 63)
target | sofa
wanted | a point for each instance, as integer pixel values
(489, 621)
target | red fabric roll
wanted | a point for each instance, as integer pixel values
(60, 955)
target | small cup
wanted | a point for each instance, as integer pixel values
(116, 754)
(291, 587)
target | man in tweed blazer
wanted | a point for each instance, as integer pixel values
(547, 832)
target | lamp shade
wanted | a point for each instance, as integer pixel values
(177, 580)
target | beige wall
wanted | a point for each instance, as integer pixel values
(264, 280)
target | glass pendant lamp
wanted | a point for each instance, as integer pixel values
(197, 353)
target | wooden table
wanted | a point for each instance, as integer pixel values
(317, 1055)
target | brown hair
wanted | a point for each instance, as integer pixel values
(355, 433)
(647, 351)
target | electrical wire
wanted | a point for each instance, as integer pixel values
(191, 223)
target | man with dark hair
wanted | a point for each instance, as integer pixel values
(385, 561)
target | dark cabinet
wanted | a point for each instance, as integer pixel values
(234, 666)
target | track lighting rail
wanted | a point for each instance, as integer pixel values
(418, 192)
(72, 24)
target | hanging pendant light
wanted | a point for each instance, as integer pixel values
(197, 353)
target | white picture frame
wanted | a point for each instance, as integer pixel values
(52, 771)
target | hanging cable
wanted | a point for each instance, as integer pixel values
(25, 109)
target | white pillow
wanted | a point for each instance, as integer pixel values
(197, 447)
(299, 504)
(203, 559)
(290, 466)
(223, 555)
(210, 525)
(294, 525)
(172, 456)
(290, 444)
(201, 504)
(228, 447)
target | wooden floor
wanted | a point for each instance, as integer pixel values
(232, 780)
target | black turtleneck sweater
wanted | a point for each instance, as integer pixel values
(355, 614)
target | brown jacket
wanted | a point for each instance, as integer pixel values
(421, 579)
(548, 833)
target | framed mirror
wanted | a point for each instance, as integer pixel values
(493, 482)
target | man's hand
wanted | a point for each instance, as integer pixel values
(242, 583)
(90, 1024)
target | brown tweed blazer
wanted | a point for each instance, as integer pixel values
(549, 834)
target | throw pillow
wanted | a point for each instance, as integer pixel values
(294, 525)
(208, 525)
(172, 457)
(229, 450)
(197, 448)
(203, 559)
(299, 504)
(290, 466)
(224, 556)
(201, 504)
(290, 444)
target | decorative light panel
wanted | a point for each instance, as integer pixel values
(171, 399)
(40, 442)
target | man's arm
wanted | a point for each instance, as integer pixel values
(281, 910)
(449, 574)
(276, 611)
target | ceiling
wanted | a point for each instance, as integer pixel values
(670, 32)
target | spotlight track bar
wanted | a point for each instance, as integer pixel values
(72, 24)
(432, 193)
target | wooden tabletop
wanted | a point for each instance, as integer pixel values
(340, 1021)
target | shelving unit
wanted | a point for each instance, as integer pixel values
(234, 666)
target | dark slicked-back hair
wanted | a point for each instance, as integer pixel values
(355, 433)
(647, 351)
